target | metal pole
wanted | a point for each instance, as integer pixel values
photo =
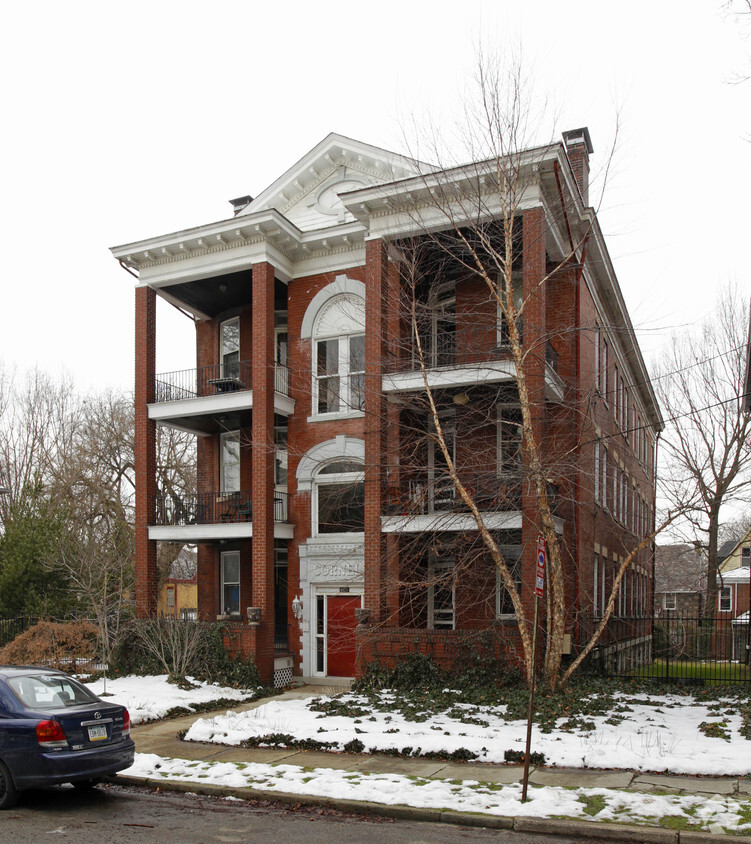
(530, 711)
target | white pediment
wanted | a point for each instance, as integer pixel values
(308, 193)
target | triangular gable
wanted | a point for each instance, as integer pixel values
(307, 193)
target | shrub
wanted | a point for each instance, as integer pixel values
(54, 644)
(180, 648)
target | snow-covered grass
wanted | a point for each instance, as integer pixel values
(646, 733)
(699, 812)
(152, 698)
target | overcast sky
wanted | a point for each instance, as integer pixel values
(128, 120)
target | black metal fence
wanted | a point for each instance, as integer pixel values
(12, 627)
(688, 649)
(214, 508)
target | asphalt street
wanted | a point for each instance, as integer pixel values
(115, 814)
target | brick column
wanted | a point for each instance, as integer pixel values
(534, 337)
(262, 488)
(145, 452)
(376, 285)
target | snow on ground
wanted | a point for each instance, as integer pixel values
(597, 804)
(151, 698)
(659, 734)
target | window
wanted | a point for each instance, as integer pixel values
(604, 370)
(616, 395)
(597, 471)
(725, 599)
(281, 458)
(339, 499)
(170, 596)
(441, 489)
(188, 615)
(230, 342)
(504, 607)
(339, 357)
(746, 557)
(230, 577)
(441, 593)
(230, 462)
(510, 436)
(668, 601)
(442, 341)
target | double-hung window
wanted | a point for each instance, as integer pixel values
(504, 606)
(230, 462)
(230, 341)
(441, 593)
(230, 575)
(339, 357)
(725, 599)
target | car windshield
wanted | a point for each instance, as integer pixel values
(48, 691)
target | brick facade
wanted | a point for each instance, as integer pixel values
(575, 338)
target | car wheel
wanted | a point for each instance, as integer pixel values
(85, 785)
(8, 792)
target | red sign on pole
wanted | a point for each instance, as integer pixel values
(540, 578)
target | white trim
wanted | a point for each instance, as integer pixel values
(341, 284)
(210, 533)
(341, 446)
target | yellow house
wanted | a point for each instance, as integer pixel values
(178, 597)
(740, 555)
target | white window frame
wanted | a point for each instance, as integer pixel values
(725, 595)
(224, 486)
(746, 557)
(224, 557)
(436, 565)
(231, 369)
(333, 479)
(509, 552)
(340, 317)
(666, 601)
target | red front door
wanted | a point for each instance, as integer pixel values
(340, 635)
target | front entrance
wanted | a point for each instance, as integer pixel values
(336, 634)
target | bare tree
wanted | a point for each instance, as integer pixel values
(707, 452)
(468, 220)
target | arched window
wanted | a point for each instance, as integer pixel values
(339, 356)
(339, 498)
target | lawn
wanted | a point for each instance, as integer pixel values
(707, 672)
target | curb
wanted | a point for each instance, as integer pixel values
(548, 826)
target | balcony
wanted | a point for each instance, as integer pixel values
(469, 355)
(192, 399)
(217, 379)
(213, 515)
(421, 504)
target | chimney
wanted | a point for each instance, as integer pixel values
(579, 148)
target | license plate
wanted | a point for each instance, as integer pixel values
(97, 733)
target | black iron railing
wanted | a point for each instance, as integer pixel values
(213, 380)
(213, 508)
(670, 646)
(459, 347)
(422, 495)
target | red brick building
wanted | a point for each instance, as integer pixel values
(321, 488)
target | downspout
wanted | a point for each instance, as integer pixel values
(127, 268)
(654, 528)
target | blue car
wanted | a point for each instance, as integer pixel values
(54, 730)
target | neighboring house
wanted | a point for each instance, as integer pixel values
(178, 597)
(680, 580)
(747, 374)
(320, 488)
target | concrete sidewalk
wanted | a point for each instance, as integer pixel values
(160, 738)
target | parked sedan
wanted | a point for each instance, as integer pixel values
(54, 730)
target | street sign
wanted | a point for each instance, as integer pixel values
(540, 578)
